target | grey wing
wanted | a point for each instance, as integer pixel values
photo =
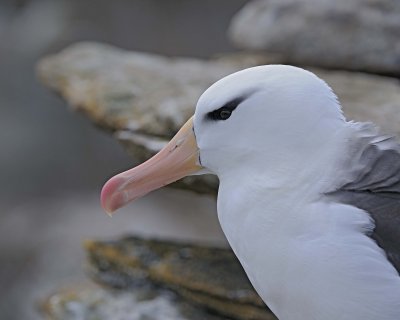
(372, 183)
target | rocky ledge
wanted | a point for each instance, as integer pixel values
(92, 302)
(349, 35)
(143, 98)
(161, 278)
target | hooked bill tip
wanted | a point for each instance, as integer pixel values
(111, 199)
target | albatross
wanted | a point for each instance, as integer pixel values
(309, 202)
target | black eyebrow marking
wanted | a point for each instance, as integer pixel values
(229, 106)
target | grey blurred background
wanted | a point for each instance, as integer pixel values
(53, 162)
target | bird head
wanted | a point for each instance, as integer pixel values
(259, 118)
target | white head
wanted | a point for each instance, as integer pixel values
(262, 117)
(269, 114)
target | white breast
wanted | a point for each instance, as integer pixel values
(307, 258)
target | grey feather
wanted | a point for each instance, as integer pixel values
(372, 183)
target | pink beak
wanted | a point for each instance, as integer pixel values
(179, 158)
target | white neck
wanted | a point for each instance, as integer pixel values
(281, 188)
(285, 234)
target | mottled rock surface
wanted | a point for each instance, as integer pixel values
(144, 98)
(208, 277)
(352, 35)
(140, 92)
(149, 279)
(91, 302)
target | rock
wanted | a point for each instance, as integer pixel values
(209, 277)
(144, 98)
(367, 98)
(140, 92)
(88, 301)
(353, 35)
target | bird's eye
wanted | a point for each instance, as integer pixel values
(220, 114)
(225, 112)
